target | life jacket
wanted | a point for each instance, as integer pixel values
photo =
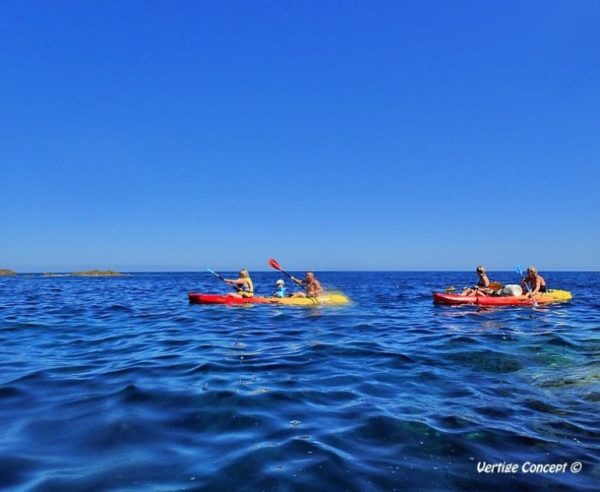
(247, 288)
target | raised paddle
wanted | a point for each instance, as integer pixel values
(527, 286)
(275, 264)
(220, 277)
(520, 273)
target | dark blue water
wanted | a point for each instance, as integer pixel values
(120, 384)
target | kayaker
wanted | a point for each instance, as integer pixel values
(280, 289)
(311, 286)
(534, 282)
(483, 284)
(243, 284)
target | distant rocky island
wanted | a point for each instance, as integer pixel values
(97, 273)
(4, 272)
(86, 273)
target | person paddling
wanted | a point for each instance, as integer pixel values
(483, 284)
(311, 285)
(534, 282)
(243, 284)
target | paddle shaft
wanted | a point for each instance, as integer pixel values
(520, 273)
(527, 286)
(220, 277)
(275, 264)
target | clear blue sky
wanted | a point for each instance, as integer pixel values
(327, 134)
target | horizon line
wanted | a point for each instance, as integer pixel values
(302, 270)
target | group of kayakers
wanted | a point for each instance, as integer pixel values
(244, 286)
(532, 283)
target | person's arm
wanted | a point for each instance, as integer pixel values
(297, 280)
(487, 289)
(237, 281)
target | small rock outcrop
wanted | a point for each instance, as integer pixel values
(97, 273)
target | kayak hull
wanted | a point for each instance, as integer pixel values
(542, 298)
(325, 300)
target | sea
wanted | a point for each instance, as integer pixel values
(120, 384)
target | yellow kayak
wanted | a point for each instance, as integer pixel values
(329, 299)
(332, 299)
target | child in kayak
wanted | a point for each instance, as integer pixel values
(311, 286)
(483, 284)
(280, 289)
(243, 284)
(534, 282)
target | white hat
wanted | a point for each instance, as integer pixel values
(279, 282)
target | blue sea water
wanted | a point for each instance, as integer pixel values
(121, 384)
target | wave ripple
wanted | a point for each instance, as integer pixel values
(120, 384)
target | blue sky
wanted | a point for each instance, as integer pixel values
(327, 134)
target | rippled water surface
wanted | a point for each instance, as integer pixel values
(119, 383)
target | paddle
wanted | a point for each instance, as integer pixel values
(275, 264)
(527, 286)
(219, 276)
(520, 273)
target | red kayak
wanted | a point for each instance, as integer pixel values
(224, 299)
(542, 298)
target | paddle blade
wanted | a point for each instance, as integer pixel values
(274, 264)
(215, 274)
(520, 272)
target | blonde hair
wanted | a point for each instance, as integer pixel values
(244, 273)
(480, 268)
(532, 269)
